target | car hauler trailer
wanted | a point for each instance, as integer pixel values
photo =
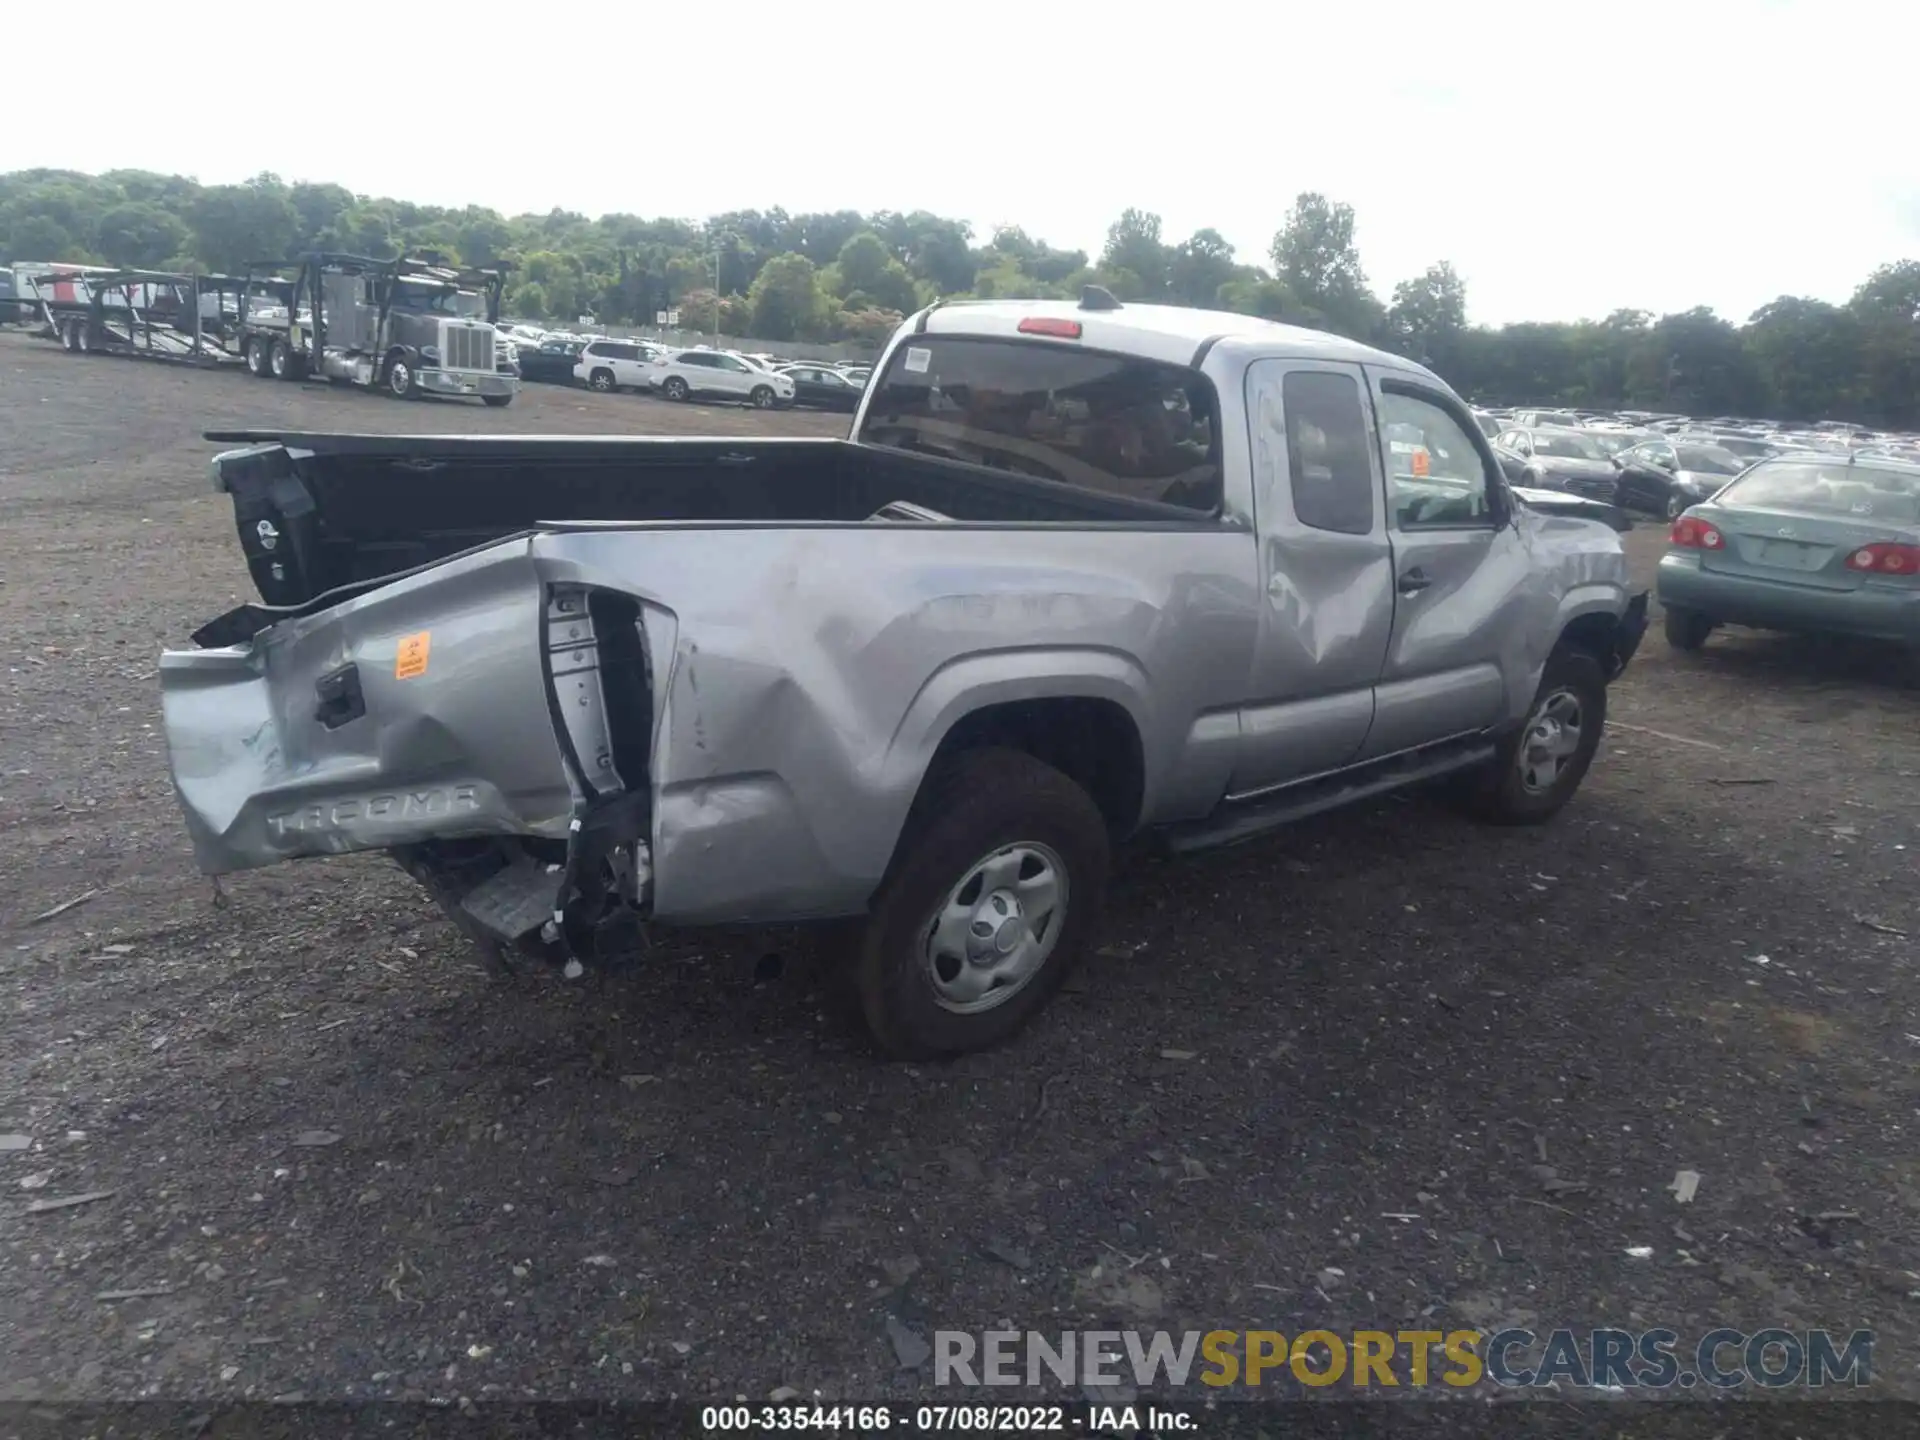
(149, 314)
(412, 326)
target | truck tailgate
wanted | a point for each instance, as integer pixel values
(419, 710)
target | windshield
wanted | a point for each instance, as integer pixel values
(441, 299)
(1710, 460)
(1829, 489)
(1571, 447)
(1115, 424)
(1612, 443)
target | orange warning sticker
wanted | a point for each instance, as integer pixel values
(1422, 467)
(410, 662)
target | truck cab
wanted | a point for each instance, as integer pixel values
(411, 327)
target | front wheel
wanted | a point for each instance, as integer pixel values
(1539, 768)
(1686, 629)
(762, 397)
(998, 883)
(674, 388)
(402, 383)
(497, 402)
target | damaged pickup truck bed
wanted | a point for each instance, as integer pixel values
(1083, 572)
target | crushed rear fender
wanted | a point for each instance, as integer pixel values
(428, 709)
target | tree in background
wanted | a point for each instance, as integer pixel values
(1428, 316)
(1314, 255)
(786, 302)
(1134, 264)
(840, 274)
(234, 225)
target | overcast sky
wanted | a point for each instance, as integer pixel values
(1568, 158)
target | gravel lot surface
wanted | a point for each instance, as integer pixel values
(1459, 1067)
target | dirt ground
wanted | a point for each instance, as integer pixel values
(1352, 1046)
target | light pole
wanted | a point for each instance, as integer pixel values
(716, 292)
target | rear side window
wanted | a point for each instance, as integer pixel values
(1115, 424)
(1327, 451)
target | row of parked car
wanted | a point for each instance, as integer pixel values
(610, 364)
(1661, 463)
(1811, 530)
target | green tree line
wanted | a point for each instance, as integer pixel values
(845, 275)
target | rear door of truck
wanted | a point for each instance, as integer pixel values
(1326, 566)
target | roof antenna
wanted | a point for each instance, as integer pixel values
(1097, 297)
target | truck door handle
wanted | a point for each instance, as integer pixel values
(1414, 580)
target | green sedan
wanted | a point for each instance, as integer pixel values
(1809, 544)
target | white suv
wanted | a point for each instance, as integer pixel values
(721, 374)
(610, 365)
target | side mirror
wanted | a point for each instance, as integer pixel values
(1619, 460)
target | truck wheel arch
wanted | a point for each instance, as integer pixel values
(1079, 713)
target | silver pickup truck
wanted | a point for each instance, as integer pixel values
(1082, 572)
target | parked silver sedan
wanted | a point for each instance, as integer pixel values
(1817, 545)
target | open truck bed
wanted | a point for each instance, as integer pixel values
(325, 515)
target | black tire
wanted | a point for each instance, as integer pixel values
(284, 362)
(602, 380)
(66, 335)
(1508, 791)
(497, 402)
(257, 358)
(674, 388)
(1686, 629)
(82, 339)
(978, 804)
(400, 381)
(762, 397)
(1676, 505)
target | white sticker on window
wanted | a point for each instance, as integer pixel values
(918, 358)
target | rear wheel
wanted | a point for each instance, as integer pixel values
(1537, 771)
(1687, 629)
(762, 397)
(283, 362)
(256, 357)
(674, 388)
(82, 338)
(601, 380)
(66, 335)
(998, 883)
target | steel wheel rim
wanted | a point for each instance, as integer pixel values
(399, 378)
(995, 930)
(1550, 741)
(278, 362)
(763, 398)
(1675, 505)
(676, 389)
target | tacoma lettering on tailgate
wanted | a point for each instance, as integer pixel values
(399, 805)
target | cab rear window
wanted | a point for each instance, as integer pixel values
(1115, 424)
